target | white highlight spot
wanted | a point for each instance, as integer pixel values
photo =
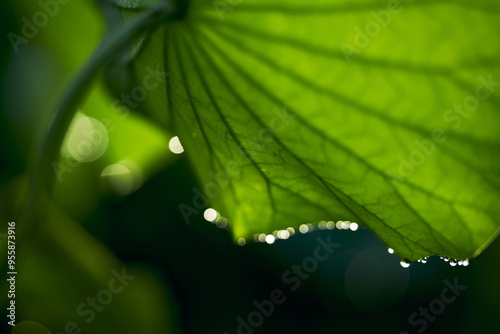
(284, 234)
(175, 145)
(210, 215)
(353, 226)
(390, 250)
(404, 264)
(465, 263)
(270, 239)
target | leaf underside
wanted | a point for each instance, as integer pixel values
(268, 96)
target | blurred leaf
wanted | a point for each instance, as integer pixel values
(71, 266)
(67, 42)
(333, 110)
(69, 263)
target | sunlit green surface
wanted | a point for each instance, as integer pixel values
(370, 137)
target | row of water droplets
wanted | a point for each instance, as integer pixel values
(452, 262)
(214, 217)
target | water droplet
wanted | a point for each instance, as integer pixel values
(404, 264)
(353, 226)
(390, 250)
(270, 239)
(303, 228)
(466, 263)
(242, 241)
(262, 237)
(175, 145)
(453, 263)
(322, 225)
(211, 215)
(284, 234)
(330, 225)
(291, 230)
